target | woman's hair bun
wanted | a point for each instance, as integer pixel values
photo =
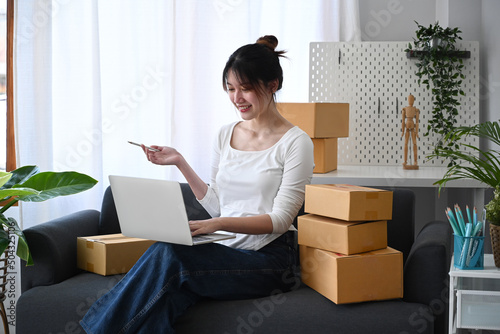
(268, 40)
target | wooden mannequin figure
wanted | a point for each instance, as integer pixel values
(410, 128)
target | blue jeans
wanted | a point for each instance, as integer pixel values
(169, 278)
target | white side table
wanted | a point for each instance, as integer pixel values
(475, 298)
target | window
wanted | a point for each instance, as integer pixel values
(7, 141)
(11, 147)
(3, 84)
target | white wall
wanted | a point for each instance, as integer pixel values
(490, 56)
(394, 20)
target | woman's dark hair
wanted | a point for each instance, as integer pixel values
(256, 64)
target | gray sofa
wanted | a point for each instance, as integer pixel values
(56, 294)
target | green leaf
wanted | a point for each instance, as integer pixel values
(29, 185)
(4, 177)
(5, 193)
(23, 250)
(52, 184)
(4, 240)
(22, 245)
(472, 162)
(20, 175)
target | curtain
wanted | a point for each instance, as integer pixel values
(91, 75)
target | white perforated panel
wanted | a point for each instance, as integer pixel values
(375, 78)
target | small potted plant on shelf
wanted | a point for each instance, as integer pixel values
(493, 217)
(439, 68)
(28, 184)
(470, 162)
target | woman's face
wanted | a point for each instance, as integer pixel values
(249, 103)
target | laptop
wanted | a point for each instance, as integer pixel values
(154, 209)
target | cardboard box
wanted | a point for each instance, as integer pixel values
(325, 154)
(375, 275)
(318, 120)
(347, 202)
(110, 254)
(339, 236)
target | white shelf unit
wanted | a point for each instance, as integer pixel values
(475, 299)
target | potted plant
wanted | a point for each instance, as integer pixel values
(493, 216)
(28, 184)
(470, 162)
(439, 69)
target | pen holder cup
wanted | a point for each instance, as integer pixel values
(468, 252)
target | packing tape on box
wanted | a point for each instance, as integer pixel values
(106, 238)
(371, 215)
(372, 195)
(90, 266)
(90, 244)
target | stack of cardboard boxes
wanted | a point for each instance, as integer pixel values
(324, 123)
(343, 244)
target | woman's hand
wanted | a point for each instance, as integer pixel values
(204, 226)
(165, 156)
(169, 156)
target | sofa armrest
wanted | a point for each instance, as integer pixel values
(426, 279)
(53, 247)
(428, 264)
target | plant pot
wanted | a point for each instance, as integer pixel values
(436, 42)
(495, 243)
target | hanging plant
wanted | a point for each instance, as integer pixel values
(439, 69)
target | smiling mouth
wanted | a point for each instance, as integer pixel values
(244, 108)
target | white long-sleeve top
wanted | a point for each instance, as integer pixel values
(249, 183)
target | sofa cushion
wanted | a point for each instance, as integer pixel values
(303, 311)
(108, 221)
(401, 228)
(58, 308)
(194, 209)
(299, 311)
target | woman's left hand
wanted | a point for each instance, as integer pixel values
(203, 226)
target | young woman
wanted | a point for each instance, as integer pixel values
(260, 167)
